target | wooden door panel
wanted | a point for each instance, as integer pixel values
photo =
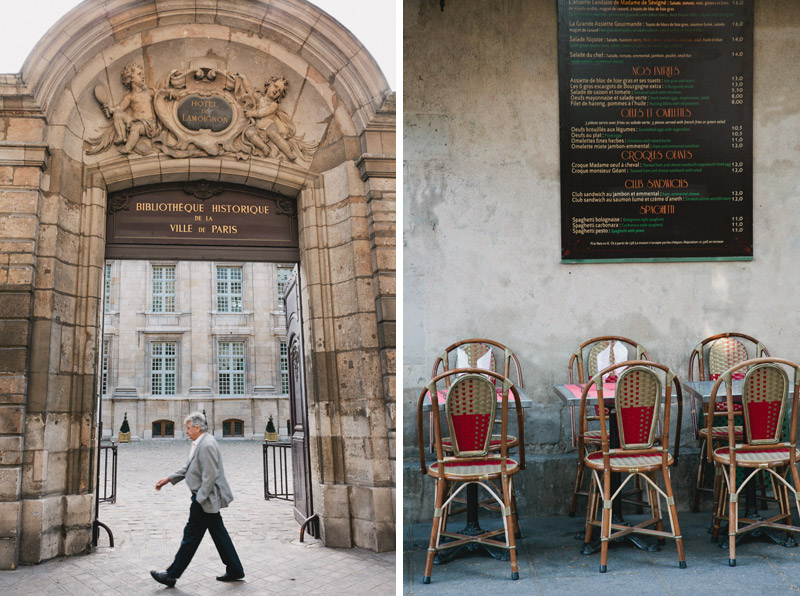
(298, 405)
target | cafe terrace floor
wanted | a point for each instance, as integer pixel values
(551, 563)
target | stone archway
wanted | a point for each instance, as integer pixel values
(55, 184)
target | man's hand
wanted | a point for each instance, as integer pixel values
(161, 483)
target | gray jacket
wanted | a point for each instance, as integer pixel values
(205, 476)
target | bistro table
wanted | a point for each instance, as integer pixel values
(472, 527)
(701, 391)
(570, 394)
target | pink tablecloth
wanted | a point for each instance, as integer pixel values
(442, 395)
(608, 390)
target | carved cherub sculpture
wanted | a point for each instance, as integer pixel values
(132, 118)
(270, 122)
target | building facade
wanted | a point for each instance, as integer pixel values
(206, 336)
(118, 97)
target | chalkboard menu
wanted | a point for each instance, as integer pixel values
(656, 129)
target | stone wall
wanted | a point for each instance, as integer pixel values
(482, 227)
(55, 177)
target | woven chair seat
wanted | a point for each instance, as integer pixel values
(752, 457)
(462, 468)
(494, 443)
(593, 437)
(623, 462)
(721, 432)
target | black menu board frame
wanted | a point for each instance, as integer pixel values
(656, 117)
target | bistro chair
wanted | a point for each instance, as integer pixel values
(631, 444)
(764, 401)
(470, 409)
(480, 353)
(710, 359)
(591, 356)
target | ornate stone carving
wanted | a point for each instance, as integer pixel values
(203, 189)
(133, 120)
(287, 207)
(118, 202)
(200, 112)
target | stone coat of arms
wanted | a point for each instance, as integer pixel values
(197, 113)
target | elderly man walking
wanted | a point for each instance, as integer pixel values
(210, 492)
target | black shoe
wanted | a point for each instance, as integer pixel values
(228, 577)
(163, 577)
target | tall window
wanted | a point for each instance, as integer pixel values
(229, 289)
(108, 289)
(283, 277)
(231, 368)
(284, 368)
(163, 364)
(104, 378)
(163, 288)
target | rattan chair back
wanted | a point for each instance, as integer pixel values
(717, 353)
(476, 350)
(637, 403)
(470, 410)
(585, 358)
(764, 395)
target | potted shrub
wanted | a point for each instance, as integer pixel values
(271, 435)
(124, 431)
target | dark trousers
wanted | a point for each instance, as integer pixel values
(199, 522)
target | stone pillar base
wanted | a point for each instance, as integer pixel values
(52, 527)
(357, 516)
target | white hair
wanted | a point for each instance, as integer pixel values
(197, 419)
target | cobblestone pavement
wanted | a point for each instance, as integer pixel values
(148, 526)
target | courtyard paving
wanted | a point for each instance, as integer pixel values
(148, 526)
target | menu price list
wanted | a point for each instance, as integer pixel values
(656, 129)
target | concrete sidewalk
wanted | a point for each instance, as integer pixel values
(551, 563)
(148, 526)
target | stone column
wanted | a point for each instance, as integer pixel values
(347, 243)
(377, 167)
(23, 157)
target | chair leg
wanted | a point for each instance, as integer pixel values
(673, 519)
(441, 486)
(606, 527)
(591, 509)
(655, 505)
(782, 494)
(637, 483)
(573, 505)
(510, 538)
(796, 484)
(446, 510)
(701, 477)
(733, 517)
(720, 500)
(514, 518)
